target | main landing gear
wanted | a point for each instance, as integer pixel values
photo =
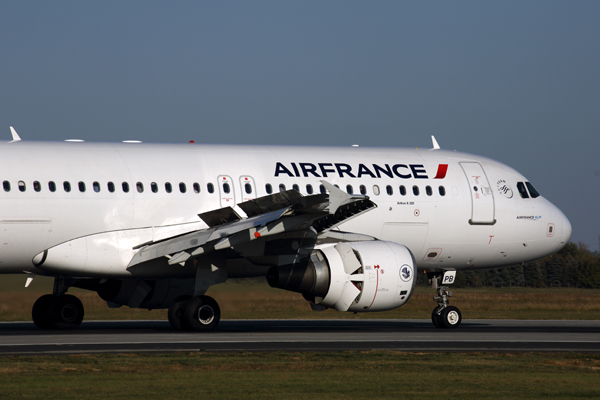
(444, 316)
(200, 313)
(58, 310)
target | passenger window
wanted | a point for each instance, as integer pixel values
(522, 190)
(52, 186)
(183, 189)
(125, 187)
(140, 187)
(442, 191)
(429, 191)
(389, 190)
(376, 190)
(111, 187)
(322, 189)
(96, 187)
(269, 188)
(416, 190)
(534, 193)
(6, 186)
(196, 187)
(281, 187)
(67, 186)
(363, 190)
(349, 189)
(226, 188)
(296, 187)
(402, 190)
(154, 187)
(248, 188)
(81, 186)
(36, 186)
(210, 187)
(309, 189)
(169, 187)
(22, 186)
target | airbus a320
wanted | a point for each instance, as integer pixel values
(156, 225)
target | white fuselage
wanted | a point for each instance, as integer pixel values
(471, 216)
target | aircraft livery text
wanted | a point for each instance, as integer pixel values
(325, 170)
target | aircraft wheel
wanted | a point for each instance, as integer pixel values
(66, 312)
(177, 316)
(40, 313)
(435, 318)
(202, 313)
(450, 317)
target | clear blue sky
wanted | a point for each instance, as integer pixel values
(517, 81)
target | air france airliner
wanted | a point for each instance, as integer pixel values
(154, 226)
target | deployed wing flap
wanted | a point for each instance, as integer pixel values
(275, 201)
(197, 239)
(220, 216)
(171, 246)
(338, 197)
(344, 213)
(271, 215)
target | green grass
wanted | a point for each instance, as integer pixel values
(341, 375)
(332, 375)
(254, 299)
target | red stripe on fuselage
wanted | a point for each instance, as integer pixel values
(441, 172)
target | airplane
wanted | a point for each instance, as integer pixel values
(154, 226)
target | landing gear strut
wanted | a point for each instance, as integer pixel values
(444, 316)
(201, 313)
(57, 310)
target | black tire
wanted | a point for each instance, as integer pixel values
(176, 316)
(202, 313)
(451, 317)
(435, 318)
(66, 312)
(40, 313)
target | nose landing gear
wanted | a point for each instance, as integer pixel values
(444, 316)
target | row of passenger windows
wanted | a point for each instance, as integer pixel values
(362, 189)
(110, 186)
(168, 187)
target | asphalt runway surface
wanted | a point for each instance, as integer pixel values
(304, 335)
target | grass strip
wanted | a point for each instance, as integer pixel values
(254, 299)
(331, 375)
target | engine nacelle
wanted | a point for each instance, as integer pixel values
(353, 276)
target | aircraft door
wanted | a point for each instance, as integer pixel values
(248, 188)
(482, 197)
(226, 190)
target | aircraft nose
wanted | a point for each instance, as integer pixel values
(563, 227)
(566, 229)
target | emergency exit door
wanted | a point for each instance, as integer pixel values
(248, 188)
(226, 191)
(482, 197)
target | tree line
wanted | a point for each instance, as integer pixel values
(573, 266)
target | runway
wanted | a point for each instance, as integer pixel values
(304, 335)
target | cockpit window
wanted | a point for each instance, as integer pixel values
(534, 193)
(522, 190)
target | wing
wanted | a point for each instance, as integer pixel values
(270, 218)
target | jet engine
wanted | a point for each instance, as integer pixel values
(351, 276)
